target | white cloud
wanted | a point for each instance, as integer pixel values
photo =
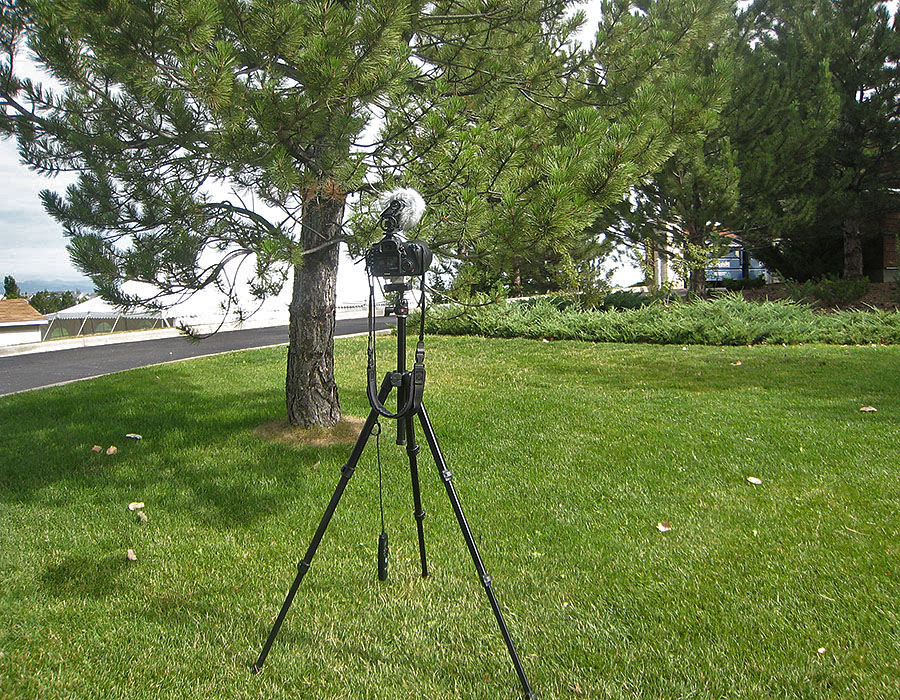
(32, 244)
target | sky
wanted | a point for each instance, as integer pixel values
(32, 245)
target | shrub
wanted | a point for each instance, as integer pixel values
(746, 283)
(625, 300)
(728, 320)
(829, 290)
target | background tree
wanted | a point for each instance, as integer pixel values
(676, 213)
(48, 302)
(10, 288)
(817, 130)
(782, 110)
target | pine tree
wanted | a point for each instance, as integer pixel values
(10, 288)
(524, 195)
(820, 140)
(162, 104)
(678, 211)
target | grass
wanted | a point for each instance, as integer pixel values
(566, 455)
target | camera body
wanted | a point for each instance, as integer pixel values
(391, 257)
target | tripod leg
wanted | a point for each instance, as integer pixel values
(346, 473)
(412, 451)
(447, 478)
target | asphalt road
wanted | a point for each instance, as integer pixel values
(24, 372)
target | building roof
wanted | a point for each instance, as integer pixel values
(18, 312)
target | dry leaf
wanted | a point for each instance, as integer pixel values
(130, 555)
(142, 516)
(822, 650)
(868, 409)
(136, 505)
(663, 526)
(736, 364)
(133, 436)
(754, 480)
(111, 450)
(96, 449)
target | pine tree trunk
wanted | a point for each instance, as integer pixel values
(853, 255)
(312, 395)
(651, 266)
(697, 266)
(517, 282)
(663, 252)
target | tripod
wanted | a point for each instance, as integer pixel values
(409, 385)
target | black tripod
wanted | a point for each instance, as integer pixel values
(409, 385)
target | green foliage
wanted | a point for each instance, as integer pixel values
(10, 288)
(520, 192)
(829, 290)
(736, 285)
(623, 300)
(50, 302)
(815, 123)
(727, 320)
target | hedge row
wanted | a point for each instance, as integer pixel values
(728, 320)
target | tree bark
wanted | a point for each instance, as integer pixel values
(697, 262)
(310, 388)
(651, 267)
(853, 254)
(663, 253)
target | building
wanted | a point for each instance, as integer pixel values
(735, 263)
(880, 253)
(20, 322)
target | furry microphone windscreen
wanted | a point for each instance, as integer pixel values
(412, 206)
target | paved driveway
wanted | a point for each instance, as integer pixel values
(33, 371)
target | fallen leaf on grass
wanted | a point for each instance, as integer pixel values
(736, 364)
(142, 516)
(868, 409)
(96, 449)
(822, 650)
(111, 450)
(130, 555)
(754, 480)
(133, 436)
(136, 505)
(663, 526)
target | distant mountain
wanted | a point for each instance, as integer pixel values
(31, 286)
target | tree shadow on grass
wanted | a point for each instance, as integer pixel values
(83, 575)
(199, 453)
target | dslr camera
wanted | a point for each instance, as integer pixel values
(392, 257)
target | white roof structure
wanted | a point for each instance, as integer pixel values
(207, 308)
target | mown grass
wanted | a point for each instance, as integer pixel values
(566, 455)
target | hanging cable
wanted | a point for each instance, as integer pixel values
(382, 538)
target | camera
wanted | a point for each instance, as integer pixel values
(391, 257)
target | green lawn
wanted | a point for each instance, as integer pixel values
(566, 455)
